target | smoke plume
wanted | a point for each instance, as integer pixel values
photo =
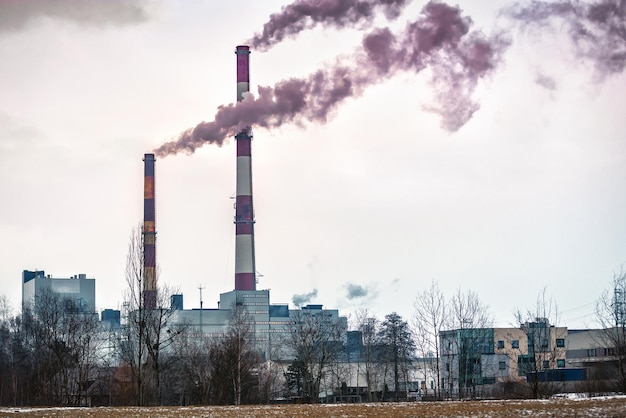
(545, 81)
(440, 38)
(17, 14)
(355, 291)
(306, 14)
(299, 300)
(597, 29)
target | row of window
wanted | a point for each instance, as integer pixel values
(596, 352)
(560, 342)
(560, 363)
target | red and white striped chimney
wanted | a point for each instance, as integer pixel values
(149, 235)
(245, 276)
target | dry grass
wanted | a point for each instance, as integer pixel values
(598, 407)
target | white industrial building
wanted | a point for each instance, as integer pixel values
(79, 289)
(269, 322)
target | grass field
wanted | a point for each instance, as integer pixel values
(596, 407)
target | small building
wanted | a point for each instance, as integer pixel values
(111, 318)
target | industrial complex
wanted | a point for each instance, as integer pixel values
(478, 362)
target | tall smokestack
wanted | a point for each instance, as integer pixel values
(149, 234)
(244, 213)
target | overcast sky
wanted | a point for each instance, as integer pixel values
(360, 212)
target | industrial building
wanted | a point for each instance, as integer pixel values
(78, 289)
(491, 361)
(270, 323)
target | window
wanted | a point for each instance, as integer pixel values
(489, 380)
(502, 365)
(545, 364)
(591, 352)
(447, 367)
(525, 364)
(560, 342)
(515, 344)
(500, 344)
(560, 363)
(544, 343)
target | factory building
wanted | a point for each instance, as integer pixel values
(79, 290)
(270, 323)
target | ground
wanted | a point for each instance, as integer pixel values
(614, 406)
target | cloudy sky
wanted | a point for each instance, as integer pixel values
(362, 211)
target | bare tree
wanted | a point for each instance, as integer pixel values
(5, 349)
(611, 314)
(18, 369)
(539, 326)
(6, 311)
(64, 343)
(473, 322)
(161, 332)
(368, 325)
(148, 330)
(270, 382)
(85, 340)
(428, 321)
(191, 379)
(132, 342)
(315, 340)
(271, 371)
(238, 347)
(467, 310)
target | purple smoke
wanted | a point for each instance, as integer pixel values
(306, 14)
(440, 39)
(598, 29)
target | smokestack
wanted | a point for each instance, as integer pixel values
(243, 70)
(244, 213)
(149, 235)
